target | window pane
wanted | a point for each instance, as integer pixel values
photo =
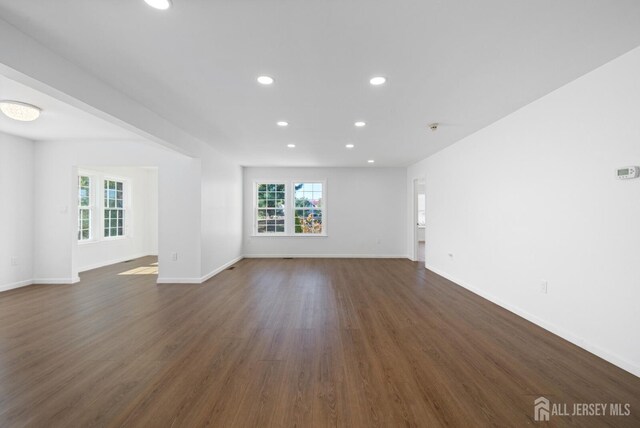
(85, 234)
(308, 221)
(270, 203)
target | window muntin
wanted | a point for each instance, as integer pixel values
(114, 210)
(308, 208)
(84, 208)
(271, 204)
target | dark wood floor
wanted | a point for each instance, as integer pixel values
(308, 342)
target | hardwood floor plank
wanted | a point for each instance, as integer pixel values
(304, 342)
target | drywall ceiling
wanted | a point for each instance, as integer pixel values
(58, 121)
(462, 63)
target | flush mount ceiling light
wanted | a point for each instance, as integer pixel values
(283, 123)
(291, 146)
(159, 4)
(17, 110)
(360, 124)
(371, 161)
(378, 80)
(349, 146)
(266, 80)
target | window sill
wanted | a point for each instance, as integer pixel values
(283, 235)
(87, 242)
(99, 241)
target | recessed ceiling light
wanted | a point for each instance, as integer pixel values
(378, 80)
(17, 110)
(360, 124)
(291, 146)
(159, 4)
(371, 161)
(349, 146)
(283, 123)
(265, 80)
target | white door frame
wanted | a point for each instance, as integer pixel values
(414, 216)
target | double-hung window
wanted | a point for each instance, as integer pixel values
(84, 208)
(270, 208)
(114, 209)
(308, 208)
(295, 208)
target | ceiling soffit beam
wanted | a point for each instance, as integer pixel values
(25, 60)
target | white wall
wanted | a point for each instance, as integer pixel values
(533, 197)
(221, 218)
(142, 219)
(56, 198)
(366, 213)
(199, 207)
(16, 214)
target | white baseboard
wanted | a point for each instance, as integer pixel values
(326, 256)
(111, 262)
(56, 281)
(220, 269)
(201, 279)
(13, 285)
(179, 281)
(614, 359)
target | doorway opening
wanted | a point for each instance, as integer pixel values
(419, 223)
(117, 219)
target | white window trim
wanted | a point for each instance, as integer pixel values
(91, 207)
(255, 208)
(96, 192)
(126, 207)
(289, 209)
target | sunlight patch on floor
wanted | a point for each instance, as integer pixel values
(143, 270)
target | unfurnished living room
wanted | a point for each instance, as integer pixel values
(283, 213)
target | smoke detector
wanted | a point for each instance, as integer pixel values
(434, 126)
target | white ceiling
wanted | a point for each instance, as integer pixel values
(463, 63)
(58, 121)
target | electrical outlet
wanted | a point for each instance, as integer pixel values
(14, 261)
(543, 287)
(174, 257)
